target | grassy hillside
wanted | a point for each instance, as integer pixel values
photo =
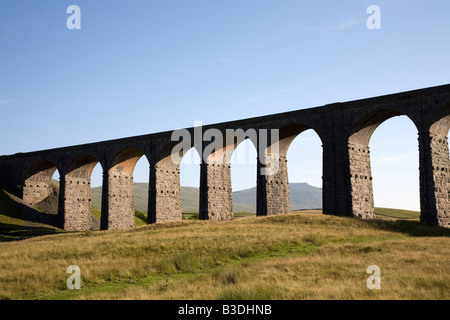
(304, 255)
(396, 213)
(297, 256)
(18, 221)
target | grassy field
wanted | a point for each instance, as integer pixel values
(396, 213)
(303, 255)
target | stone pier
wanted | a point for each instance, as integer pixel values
(345, 130)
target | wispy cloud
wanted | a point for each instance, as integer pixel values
(397, 159)
(344, 25)
(270, 94)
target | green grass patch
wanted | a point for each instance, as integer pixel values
(397, 213)
(190, 215)
(96, 212)
(140, 218)
(241, 214)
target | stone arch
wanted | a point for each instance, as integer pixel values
(231, 152)
(362, 200)
(304, 166)
(273, 190)
(170, 156)
(364, 128)
(118, 186)
(288, 133)
(82, 166)
(170, 152)
(216, 201)
(165, 189)
(441, 121)
(38, 182)
(221, 149)
(125, 161)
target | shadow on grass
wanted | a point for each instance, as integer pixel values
(141, 215)
(407, 226)
(411, 228)
(13, 232)
(21, 221)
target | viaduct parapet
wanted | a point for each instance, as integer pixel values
(344, 129)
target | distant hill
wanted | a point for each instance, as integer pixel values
(302, 195)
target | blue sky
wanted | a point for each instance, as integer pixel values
(137, 67)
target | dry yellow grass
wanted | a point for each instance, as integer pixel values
(296, 256)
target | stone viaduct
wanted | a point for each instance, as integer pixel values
(344, 129)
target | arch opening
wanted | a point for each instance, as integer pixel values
(119, 210)
(276, 198)
(190, 184)
(216, 201)
(141, 174)
(395, 163)
(41, 192)
(97, 191)
(383, 158)
(364, 128)
(38, 182)
(288, 134)
(304, 165)
(243, 167)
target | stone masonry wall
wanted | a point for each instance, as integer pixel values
(440, 166)
(277, 188)
(77, 205)
(36, 191)
(120, 201)
(220, 200)
(361, 181)
(166, 193)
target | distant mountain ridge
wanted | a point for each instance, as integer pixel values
(302, 196)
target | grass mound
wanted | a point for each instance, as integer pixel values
(303, 255)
